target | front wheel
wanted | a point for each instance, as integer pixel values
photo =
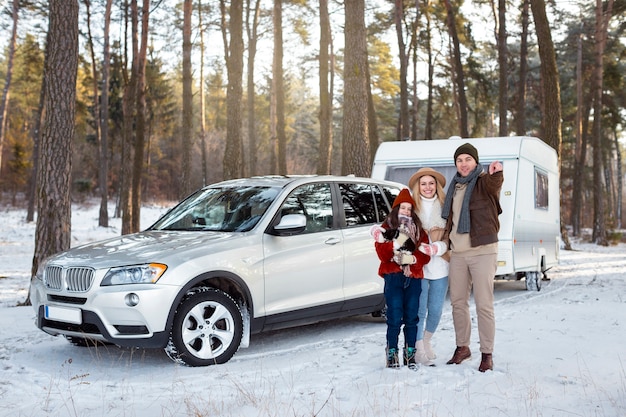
(207, 328)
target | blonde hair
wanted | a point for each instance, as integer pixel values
(441, 195)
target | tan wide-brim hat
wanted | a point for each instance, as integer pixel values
(427, 171)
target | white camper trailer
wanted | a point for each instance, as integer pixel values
(529, 236)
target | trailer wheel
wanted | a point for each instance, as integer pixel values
(533, 282)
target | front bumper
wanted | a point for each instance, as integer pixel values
(104, 314)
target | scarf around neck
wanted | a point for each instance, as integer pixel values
(464, 217)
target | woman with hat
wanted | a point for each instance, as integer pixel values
(427, 186)
(471, 208)
(401, 266)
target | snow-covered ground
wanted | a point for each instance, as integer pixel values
(559, 352)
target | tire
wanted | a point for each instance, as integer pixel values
(533, 282)
(207, 328)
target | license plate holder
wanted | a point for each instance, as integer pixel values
(63, 314)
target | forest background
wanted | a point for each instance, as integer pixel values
(137, 100)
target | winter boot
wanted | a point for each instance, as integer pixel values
(461, 353)
(420, 354)
(392, 358)
(430, 354)
(486, 363)
(409, 357)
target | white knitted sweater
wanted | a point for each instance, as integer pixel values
(430, 216)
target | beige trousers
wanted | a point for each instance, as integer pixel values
(473, 273)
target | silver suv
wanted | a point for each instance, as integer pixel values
(235, 258)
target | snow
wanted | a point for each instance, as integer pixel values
(558, 352)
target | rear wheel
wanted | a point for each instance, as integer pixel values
(533, 282)
(207, 328)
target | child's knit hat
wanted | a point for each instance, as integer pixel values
(403, 197)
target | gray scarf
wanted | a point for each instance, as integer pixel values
(464, 217)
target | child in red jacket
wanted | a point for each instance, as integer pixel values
(401, 266)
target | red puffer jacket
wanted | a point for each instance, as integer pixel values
(387, 264)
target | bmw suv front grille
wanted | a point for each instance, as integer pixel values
(74, 279)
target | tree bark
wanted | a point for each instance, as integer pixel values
(103, 173)
(232, 153)
(355, 149)
(459, 77)
(503, 100)
(15, 9)
(404, 132)
(140, 140)
(520, 119)
(278, 87)
(129, 104)
(187, 121)
(551, 91)
(599, 226)
(326, 110)
(252, 30)
(53, 231)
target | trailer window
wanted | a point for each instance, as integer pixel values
(541, 190)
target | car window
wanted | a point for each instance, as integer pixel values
(227, 209)
(383, 205)
(390, 193)
(359, 206)
(313, 201)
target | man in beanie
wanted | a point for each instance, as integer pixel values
(471, 209)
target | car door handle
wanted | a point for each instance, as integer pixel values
(332, 241)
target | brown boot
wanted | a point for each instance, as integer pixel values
(486, 364)
(461, 353)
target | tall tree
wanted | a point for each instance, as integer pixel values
(187, 122)
(103, 172)
(129, 104)
(53, 230)
(36, 135)
(234, 66)
(278, 88)
(15, 9)
(404, 131)
(326, 107)
(601, 31)
(140, 123)
(355, 149)
(103, 218)
(252, 29)
(551, 90)
(503, 102)
(428, 129)
(202, 97)
(459, 77)
(520, 104)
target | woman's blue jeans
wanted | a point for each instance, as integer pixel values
(431, 304)
(402, 295)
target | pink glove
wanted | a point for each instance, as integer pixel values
(430, 250)
(377, 233)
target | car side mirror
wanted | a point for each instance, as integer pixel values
(290, 224)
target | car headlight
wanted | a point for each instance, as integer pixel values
(136, 274)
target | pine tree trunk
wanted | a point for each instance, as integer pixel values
(232, 153)
(355, 149)
(459, 77)
(103, 173)
(141, 130)
(187, 122)
(325, 117)
(53, 231)
(7, 81)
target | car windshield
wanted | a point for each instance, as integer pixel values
(220, 209)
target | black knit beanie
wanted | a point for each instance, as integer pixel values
(468, 149)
